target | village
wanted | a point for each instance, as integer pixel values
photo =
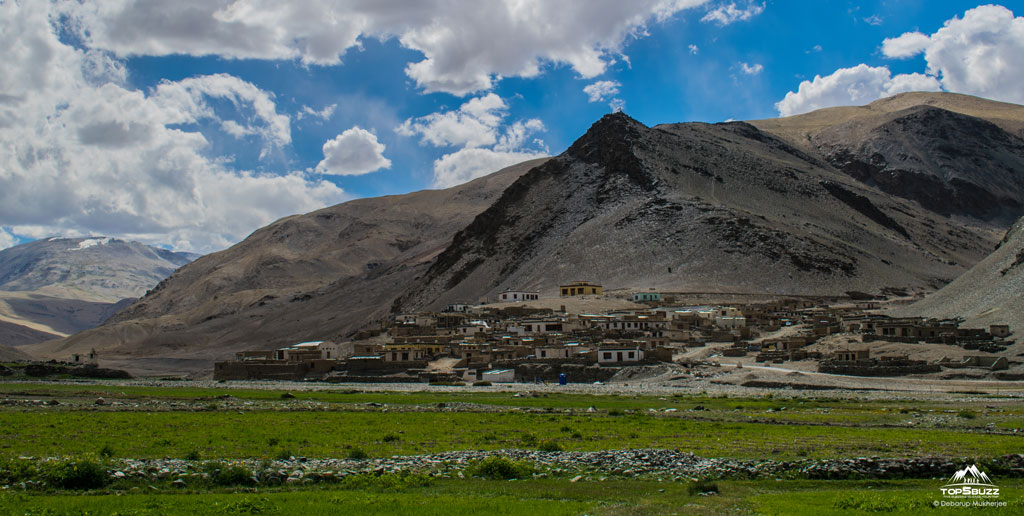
(512, 339)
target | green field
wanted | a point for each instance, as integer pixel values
(529, 497)
(213, 424)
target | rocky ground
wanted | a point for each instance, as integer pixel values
(667, 465)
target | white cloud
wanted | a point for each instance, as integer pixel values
(979, 54)
(6, 239)
(486, 142)
(858, 85)
(463, 49)
(751, 69)
(474, 124)
(726, 14)
(324, 114)
(82, 153)
(353, 152)
(599, 90)
(470, 163)
(907, 45)
(874, 19)
(694, 49)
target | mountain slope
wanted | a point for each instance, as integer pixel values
(953, 154)
(695, 207)
(991, 292)
(708, 207)
(303, 277)
(55, 287)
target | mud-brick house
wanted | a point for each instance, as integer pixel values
(580, 288)
(851, 355)
(552, 352)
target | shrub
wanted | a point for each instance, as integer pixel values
(357, 454)
(501, 468)
(273, 441)
(614, 412)
(528, 440)
(232, 476)
(390, 438)
(81, 474)
(284, 454)
(106, 451)
(550, 446)
(702, 486)
(576, 435)
(482, 383)
(966, 414)
(193, 455)
(565, 428)
(249, 505)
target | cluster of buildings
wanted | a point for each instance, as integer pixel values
(501, 342)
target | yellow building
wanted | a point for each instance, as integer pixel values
(580, 288)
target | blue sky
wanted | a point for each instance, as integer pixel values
(190, 124)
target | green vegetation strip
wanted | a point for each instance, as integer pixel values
(528, 497)
(270, 434)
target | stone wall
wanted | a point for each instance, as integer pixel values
(575, 373)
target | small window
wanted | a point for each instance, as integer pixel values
(607, 356)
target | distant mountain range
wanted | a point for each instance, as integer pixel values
(55, 287)
(824, 203)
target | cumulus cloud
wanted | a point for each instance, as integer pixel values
(907, 45)
(83, 153)
(487, 142)
(464, 50)
(474, 124)
(858, 85)
(597, 91)
(751, 69)
(467, 164)
(726, 14)
(978, 54)
(352, 153)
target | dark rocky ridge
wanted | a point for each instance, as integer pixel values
(950, 163)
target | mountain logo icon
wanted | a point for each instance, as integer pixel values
(970, 475)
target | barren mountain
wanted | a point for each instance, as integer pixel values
(303, 277)
(953, 154)
(696, 207)
(991, 292)
(55, 287)
(709, 207)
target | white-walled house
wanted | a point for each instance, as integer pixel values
(619, 355)
(512, 296)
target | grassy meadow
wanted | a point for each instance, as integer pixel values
(212, 423)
